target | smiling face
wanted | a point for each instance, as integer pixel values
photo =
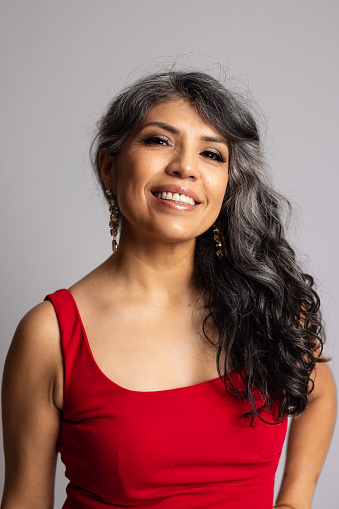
(171, 175)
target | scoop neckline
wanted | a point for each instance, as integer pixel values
(120, 387)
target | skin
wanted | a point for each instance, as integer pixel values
(151, 276)
(308, 442)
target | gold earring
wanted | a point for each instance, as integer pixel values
(219, 242)
(114, 220)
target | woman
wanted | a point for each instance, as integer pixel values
(182, 354)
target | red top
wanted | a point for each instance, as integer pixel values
(185, 448)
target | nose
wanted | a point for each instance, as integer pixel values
(184, 164)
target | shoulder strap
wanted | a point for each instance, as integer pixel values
(71, 334)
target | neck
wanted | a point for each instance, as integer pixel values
(161, 271)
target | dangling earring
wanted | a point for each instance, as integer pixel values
(114, 220)
(219, 242)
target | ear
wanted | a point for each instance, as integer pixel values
(107, 172)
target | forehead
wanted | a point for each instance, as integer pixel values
(180, 114)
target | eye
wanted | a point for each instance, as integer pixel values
(215, 156)
(156, 140)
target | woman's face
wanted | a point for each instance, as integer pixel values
(171, 175)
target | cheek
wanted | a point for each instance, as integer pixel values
(137, 169)
(218, 189)
(131, 185)
(218, 200)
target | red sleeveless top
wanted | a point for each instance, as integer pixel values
(185, 448)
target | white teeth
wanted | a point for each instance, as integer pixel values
(178, 198)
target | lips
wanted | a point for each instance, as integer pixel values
(176, 189)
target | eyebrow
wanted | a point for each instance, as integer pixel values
(173, 130)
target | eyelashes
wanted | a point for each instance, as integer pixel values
(214, 155)
(158, 140)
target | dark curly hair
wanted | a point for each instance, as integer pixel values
(262, 304)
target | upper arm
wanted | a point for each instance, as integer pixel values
(323, 385)
(30, 418)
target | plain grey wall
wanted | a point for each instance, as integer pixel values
(61, 61)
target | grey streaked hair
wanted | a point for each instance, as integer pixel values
(263, 305)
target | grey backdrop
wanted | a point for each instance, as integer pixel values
(61, 62)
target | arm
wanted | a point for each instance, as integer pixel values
(308, 442)
(31, 387)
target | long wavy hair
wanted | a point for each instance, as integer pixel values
(262, 304)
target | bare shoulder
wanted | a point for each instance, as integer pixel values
(37, 331)
(31, 404)
(324, 383)
(34, 357)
